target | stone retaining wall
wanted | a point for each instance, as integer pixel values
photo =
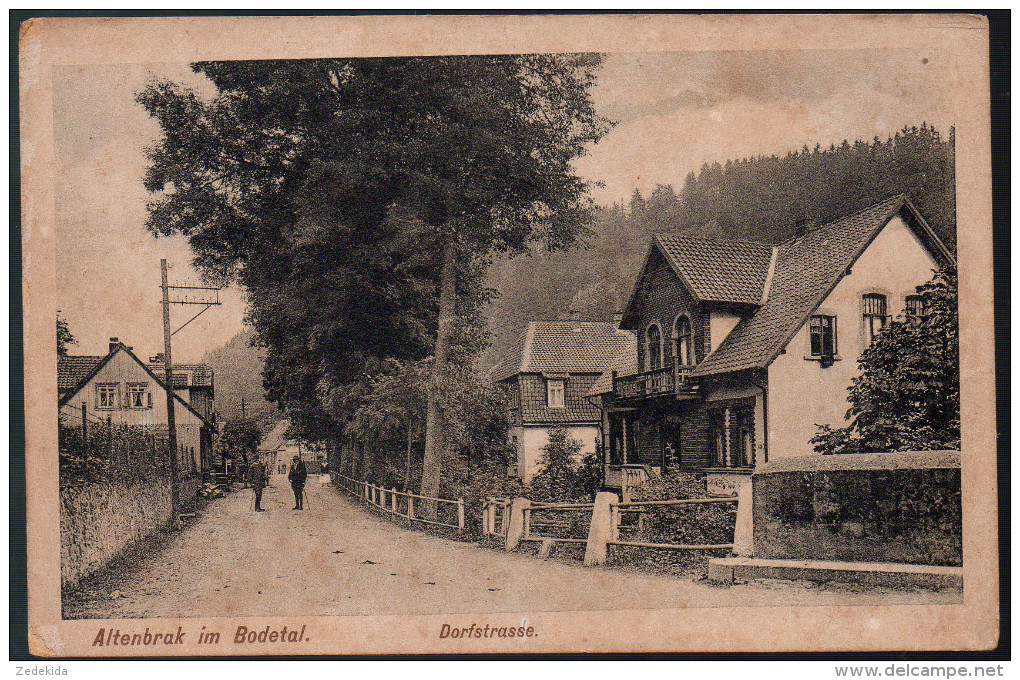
(879, 507)
(100, 520)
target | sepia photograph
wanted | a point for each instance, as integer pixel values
(498, 345)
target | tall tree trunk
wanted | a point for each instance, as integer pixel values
(407, 468)
(434, 430)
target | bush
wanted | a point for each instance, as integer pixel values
(564, 476)
(123, 452)
(678, 524)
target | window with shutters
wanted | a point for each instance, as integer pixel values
(876, 315)
(139, 396)
(106, 395)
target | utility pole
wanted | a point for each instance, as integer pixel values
(171, 421)
(206, 297)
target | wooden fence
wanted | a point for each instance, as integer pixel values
(495, 516)
(639, 508)
(605, 522)
(404, 503)
(534, 526)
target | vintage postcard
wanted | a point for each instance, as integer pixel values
(493, 334)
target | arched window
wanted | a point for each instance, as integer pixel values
(684, 341)
(654, 346)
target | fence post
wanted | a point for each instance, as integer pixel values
(516, 529)
(743, 532)
(615, 511)
(460, 514)
(601, 530)
(393, 499)
(487, 517)
(410, 506)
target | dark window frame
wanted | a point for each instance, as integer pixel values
(875, 313)
(684, 354)
(817, 338)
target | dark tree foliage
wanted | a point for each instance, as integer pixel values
(358, 201)
(565, 475)
(64, 337)
(758, 198)
(762, 198)
(240, 439)
(907, 396)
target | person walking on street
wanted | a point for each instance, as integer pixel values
(257, 480)
(297, 476)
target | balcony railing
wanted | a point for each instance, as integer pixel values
(672, 379)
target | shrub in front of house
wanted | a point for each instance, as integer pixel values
(677, 524)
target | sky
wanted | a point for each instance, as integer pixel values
(673, 112)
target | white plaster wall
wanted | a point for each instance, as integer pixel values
(802, 394)
(721, 323)
(531, 440)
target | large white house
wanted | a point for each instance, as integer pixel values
(744, 348)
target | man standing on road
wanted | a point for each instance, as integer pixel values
(257, 480)
(297, 476)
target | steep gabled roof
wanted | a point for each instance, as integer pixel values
(718, 271)
(807, 269)
(71, 370)
(563, 347)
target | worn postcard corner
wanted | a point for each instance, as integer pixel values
(394, 335)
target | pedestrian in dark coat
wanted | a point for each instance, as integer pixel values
(257, 480)
(297, 476)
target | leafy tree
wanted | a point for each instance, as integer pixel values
(564, 472)
(240, 440)
(359, 200)
(907, 396)
(64, 337)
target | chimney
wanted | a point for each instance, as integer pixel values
(804, 225)
(617, 318)
(114, 342)
(158, 359)
(574, 315)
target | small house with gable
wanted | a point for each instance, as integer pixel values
(123, 390)
(744, 347)
(547, 375)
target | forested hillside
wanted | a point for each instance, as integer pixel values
(238, 370)
(757, 198)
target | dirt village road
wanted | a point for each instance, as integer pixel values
(336, 558)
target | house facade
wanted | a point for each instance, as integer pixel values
(744, 348)
(192, 382)
(547, 375)
(121, 388)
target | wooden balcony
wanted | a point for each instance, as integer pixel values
(672, 379)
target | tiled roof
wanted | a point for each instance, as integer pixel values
(718, 271)
(72, 370)
(625, 364)
(563, 347)
(195, 375)
(807, 268)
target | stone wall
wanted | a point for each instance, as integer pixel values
(879, 507)
(100, 520)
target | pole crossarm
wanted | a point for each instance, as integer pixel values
(181, 327)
